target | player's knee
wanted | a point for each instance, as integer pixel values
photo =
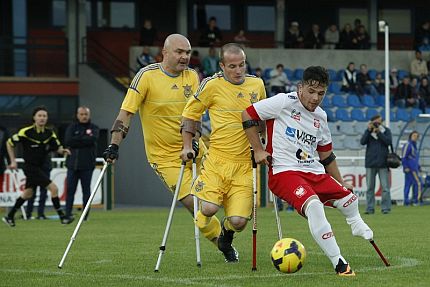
(208, 209)
(238, 223)
(348, 202)
(188, 202)
(27, 194)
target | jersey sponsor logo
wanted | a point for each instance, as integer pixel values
(327, 235)
(295, 115)
(187, 91)
(240, 95)
(306, 138)
(199, 186)
(254, 97)
(317, 123)
(304, 157)
(174, 87)
(292, 97)
(291, 132)
(351, 200)
(300, 191)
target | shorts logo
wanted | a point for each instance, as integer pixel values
(317, 123)
(187, 91)
(295, 115)
(351, 200)
(199, 186)
(300, 191)
(327, 235)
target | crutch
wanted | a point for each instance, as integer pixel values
(84, 213)
(196, 206)
(254, 212)
(278, 219)
(379, 253)
(172, 209)
(14, 176)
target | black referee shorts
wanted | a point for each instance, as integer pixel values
(35, 177)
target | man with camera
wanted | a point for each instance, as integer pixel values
(377, 139)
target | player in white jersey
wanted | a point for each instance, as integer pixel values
(303, 170)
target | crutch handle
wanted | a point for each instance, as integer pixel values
(269, 159)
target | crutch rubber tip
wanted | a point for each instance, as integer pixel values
(59, 267)
(156, 271)
(254, 268)
(199, 264)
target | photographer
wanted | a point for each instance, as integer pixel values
(377, 139)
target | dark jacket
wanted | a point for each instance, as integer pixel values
(376, 149)
(4, 135)
(81, 139)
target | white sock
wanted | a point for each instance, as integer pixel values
(348, 206)
(321, 231)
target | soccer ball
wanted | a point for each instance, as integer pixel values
(288, 255)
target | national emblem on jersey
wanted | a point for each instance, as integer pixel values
(254, 97)
(187, 91)
(317, 123)
(300, 191)
(199, 186)
(295, 115)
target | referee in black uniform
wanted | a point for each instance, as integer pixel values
(37, 141)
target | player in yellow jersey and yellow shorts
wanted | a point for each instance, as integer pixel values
(226, 178)
(159, 92)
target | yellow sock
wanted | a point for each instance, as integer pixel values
(209, 226)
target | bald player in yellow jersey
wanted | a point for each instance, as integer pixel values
(226, 179)
(159, 92)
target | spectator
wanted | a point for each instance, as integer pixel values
(357, 24)
(364, 82)
(148, 34)
(424, 94)
(394, 82)
(349, 79)
(241, 39)
(425, 46)
(331, 37)
(278, 80)
(418, 66)
(294, 37)
(377, 139)
(314, 39)
(259, 74)
(422, 33)
(81, 138)
(159, 57)
(211, 36)
(4, 158)
(347, 37)
(412, 168)
(379, 84)
(362, 38)
(196, 64)
(404, 96)
(211, 63)
(145, 58)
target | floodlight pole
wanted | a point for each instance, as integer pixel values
(387, 76)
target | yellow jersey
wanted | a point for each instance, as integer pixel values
(160, 99)
(226, 102)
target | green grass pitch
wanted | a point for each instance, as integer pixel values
(120, 248)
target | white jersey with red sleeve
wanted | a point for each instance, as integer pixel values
(294, 134)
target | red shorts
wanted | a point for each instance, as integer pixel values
(295, 187)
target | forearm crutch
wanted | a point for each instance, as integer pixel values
(254, 212)
(14, 176)
(169, 219)
(379, 253)
(84, 213)
(196, 208)
(278, 219)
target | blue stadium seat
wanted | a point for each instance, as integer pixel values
(393, 115)
(298, 74)
(332, 74)
(353, 101)
(368, 101)
(340, 74)
(330, 115)
(326, 102)
(427, 110)
(402, 73)
(372, 73)
(370, 113)
(380, 100)
(358, 115)
(334, 88)
(338, 101)
(266, 73)
(415, 112)
(289, 73)
(403, 115)
(343, 115)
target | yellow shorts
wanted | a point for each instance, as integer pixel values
(226, 183)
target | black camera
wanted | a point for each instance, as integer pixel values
(376, 125)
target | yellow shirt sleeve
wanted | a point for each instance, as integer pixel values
(136, 93)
